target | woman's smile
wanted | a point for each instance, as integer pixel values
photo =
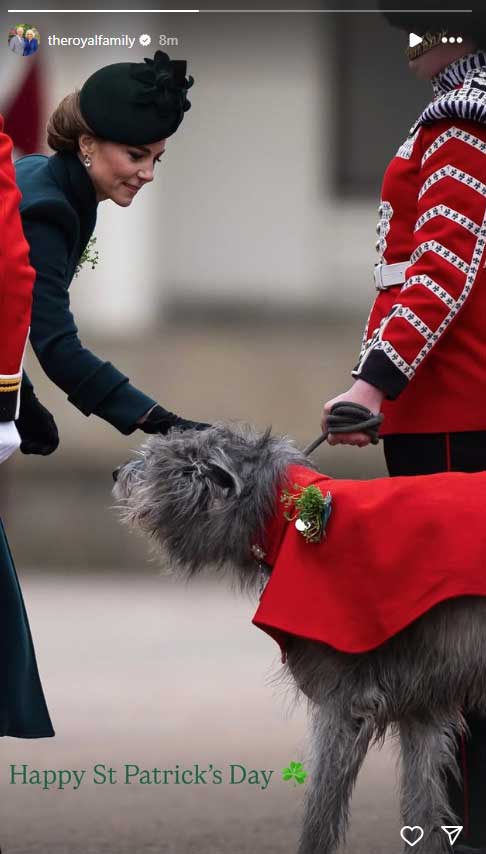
(133, 189)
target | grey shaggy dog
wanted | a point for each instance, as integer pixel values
(204, 498)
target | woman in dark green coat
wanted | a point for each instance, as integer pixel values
(108, 138)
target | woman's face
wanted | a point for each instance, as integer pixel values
(119, 171)
(30, 35)
(434, 60)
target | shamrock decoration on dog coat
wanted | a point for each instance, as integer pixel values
(311, 511)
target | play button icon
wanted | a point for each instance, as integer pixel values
(414, 40)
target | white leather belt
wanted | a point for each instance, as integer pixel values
(387, 275)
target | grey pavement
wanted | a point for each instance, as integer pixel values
(141, 670)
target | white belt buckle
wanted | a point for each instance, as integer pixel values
(377, 272)
(388, 275)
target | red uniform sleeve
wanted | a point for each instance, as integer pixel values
(16, 283)
(447, 260)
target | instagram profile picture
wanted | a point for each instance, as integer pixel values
(24, 39)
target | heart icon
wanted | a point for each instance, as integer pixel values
(412, 835)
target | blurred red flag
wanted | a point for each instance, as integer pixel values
(23, 113)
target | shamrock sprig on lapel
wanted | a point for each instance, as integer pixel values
(310, 509)
(90, 256)
(295, 772)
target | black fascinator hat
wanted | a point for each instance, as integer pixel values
(136, 103)
(438, 21)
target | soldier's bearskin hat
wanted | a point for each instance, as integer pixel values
(434, 25)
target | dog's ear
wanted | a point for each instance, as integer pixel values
(224, 478)
(217, 473)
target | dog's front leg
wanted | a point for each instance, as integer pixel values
(427, 750)
(339, 745)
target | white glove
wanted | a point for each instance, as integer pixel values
(9, 439)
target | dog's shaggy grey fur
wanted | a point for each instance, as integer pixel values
(205, 497)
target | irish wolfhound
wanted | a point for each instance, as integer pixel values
(206, 499)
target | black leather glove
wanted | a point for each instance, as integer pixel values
(36, 426)
(159, 420)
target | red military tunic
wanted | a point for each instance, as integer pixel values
(16, 283)
(23, 710)
(394, 548)
(425, 342)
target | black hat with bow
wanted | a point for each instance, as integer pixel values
(437, 21)
(136, 103)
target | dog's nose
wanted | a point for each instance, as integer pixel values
(114, 474)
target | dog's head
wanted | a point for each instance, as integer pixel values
(206, 496)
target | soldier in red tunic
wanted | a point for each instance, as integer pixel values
(16, 282)
(23, 711)
(423, 358)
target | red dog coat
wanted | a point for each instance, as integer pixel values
(394, 547)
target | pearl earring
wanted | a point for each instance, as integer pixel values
(87, 160)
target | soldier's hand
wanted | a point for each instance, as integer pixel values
(36, 425)
(9, 440)
(360, 392)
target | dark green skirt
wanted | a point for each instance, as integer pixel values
(23, 710)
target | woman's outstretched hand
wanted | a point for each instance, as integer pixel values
(159, 420)
(360, 392)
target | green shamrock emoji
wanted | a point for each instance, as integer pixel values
(295, 771)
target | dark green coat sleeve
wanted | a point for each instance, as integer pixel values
(93, 386)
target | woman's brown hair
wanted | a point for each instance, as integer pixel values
(66, 125)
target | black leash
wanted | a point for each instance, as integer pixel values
(349, 418)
